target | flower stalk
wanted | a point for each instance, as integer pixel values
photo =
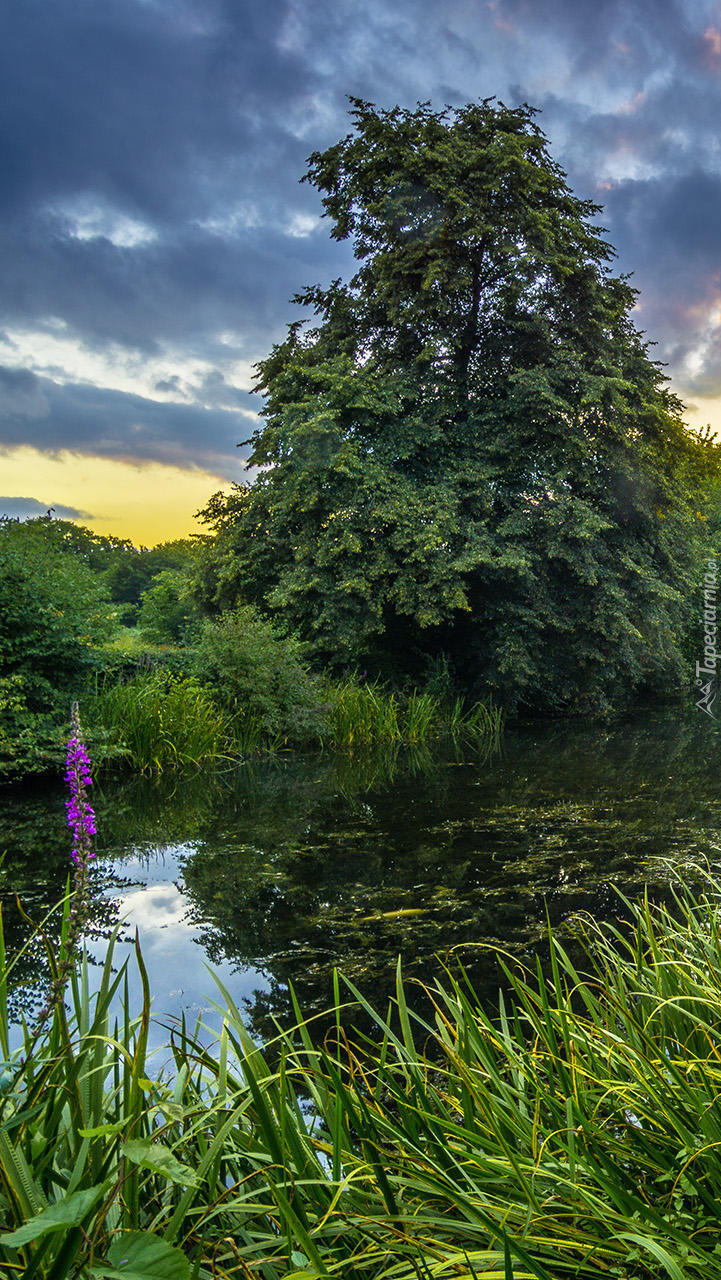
(81, 820)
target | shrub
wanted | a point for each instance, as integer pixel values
(162, 721)
(53, 611)
(261, 675)
(31, 742)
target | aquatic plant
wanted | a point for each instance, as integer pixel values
(163, 721)
(572, 1132)
(362, 716)
(365, 716)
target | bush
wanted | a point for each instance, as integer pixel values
(261, 675)
(53, 610)
(168, 615)
(31, 742)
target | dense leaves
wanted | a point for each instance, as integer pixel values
(53, 610)
(470, 451)
(64, 594)
(167, 613)
(260, 675)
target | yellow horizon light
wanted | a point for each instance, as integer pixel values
(148, 502)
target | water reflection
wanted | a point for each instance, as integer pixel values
(284, 870)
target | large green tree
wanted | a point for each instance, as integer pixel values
(468, 450)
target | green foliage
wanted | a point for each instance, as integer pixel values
(471, 453)
(30, 741)
(131, 571)
(53, 612)
(125, 570)
(58, 626)
(365, 716)
(84, 1171)
(52, 609)
(261, 675)
(573, 1132)
(167, 613)
(163, 721)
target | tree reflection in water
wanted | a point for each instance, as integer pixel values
(297, 867)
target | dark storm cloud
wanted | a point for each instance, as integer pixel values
(150, 152)
(20, 394)
(108, 423)
(169, 291)
(30, 509)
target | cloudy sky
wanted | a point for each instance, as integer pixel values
(152, 227)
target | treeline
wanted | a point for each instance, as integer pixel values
(165, 684)
(67, 599)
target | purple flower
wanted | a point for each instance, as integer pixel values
(81, 820)
(81, 817)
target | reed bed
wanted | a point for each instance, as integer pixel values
(161, 721)
(366, 716)
(575, 1131)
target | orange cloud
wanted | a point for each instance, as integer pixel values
(503, 24)
(633, 103)
(712, 42)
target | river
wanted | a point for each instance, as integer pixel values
(279, 871)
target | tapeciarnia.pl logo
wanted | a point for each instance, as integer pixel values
(706, 671)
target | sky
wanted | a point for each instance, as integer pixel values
(153, 229)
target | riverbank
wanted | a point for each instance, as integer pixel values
(242, 692)
(572, 1132)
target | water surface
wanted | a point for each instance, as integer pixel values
(284, 869)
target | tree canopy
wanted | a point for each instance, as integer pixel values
(468, 449)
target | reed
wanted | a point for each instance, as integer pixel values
(420, 718)
(362, 716)
(366, 716)
(573, 1132)
(482, 722)
(162, 721)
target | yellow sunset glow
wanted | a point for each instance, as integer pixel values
(148, 503)
(705, 412)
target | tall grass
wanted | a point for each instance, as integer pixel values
(363, 716)
(574, 1132)
(163, 721)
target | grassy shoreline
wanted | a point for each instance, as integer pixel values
(572, 1132)
(241, 690)
(157, 721)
